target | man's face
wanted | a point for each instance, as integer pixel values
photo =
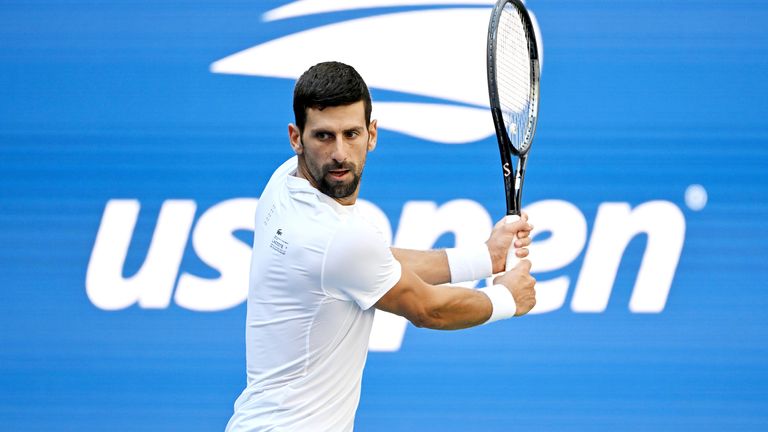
(333, 148)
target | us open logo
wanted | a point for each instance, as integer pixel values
(448, 80)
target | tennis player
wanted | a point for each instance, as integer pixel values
(319, 270)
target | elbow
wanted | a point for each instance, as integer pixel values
(430, 318)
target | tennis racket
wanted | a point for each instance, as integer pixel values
(513, 87)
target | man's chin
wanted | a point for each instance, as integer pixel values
(338, 189)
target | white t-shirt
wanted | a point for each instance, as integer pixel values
(317, 269)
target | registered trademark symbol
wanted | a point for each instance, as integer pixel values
(695, 197)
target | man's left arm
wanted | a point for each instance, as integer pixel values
(432, 266)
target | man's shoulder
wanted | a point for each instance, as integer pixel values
(359, 264)
(281, 173)
(356, 235)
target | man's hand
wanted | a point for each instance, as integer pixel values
(501, 239)
(520, 283)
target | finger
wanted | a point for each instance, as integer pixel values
(517, 226)
(523, 242)
(521, 252)
(528, 227)
(524, 265)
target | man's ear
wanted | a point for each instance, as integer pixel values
(372, 135)
(294, 135)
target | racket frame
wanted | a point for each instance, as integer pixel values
(513, 176)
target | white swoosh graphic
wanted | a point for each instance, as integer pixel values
(445, 61)
(437, 53)
(310, 7)
(445, 124)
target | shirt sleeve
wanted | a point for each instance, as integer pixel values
(358, 264)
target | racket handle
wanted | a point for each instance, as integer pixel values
(512, 259)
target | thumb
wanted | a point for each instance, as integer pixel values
(500, 223)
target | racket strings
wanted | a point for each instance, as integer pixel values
(513, 75)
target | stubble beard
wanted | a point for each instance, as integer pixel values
(335, 189)
(339, 189)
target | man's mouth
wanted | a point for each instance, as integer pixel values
(338, 174)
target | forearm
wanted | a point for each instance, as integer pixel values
(445, 307)
(458, 308)
(431, 266)
(432, 306)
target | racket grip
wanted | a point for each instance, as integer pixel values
(512, 259)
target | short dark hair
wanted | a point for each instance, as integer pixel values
(329, 84)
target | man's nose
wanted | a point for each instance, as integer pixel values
(340, 150)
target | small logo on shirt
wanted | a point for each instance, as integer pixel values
(278, 244)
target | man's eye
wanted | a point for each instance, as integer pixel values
(322, 136)
(352, 134)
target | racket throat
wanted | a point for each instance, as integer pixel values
(515, 194)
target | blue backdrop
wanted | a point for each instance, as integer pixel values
(651, 111)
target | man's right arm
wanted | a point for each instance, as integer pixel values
(446, 307)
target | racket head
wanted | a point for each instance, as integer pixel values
(513, 77)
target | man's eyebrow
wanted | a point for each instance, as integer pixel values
(330, 131)
(318, 130)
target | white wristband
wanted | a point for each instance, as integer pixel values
(503, 303)
(469, 263)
